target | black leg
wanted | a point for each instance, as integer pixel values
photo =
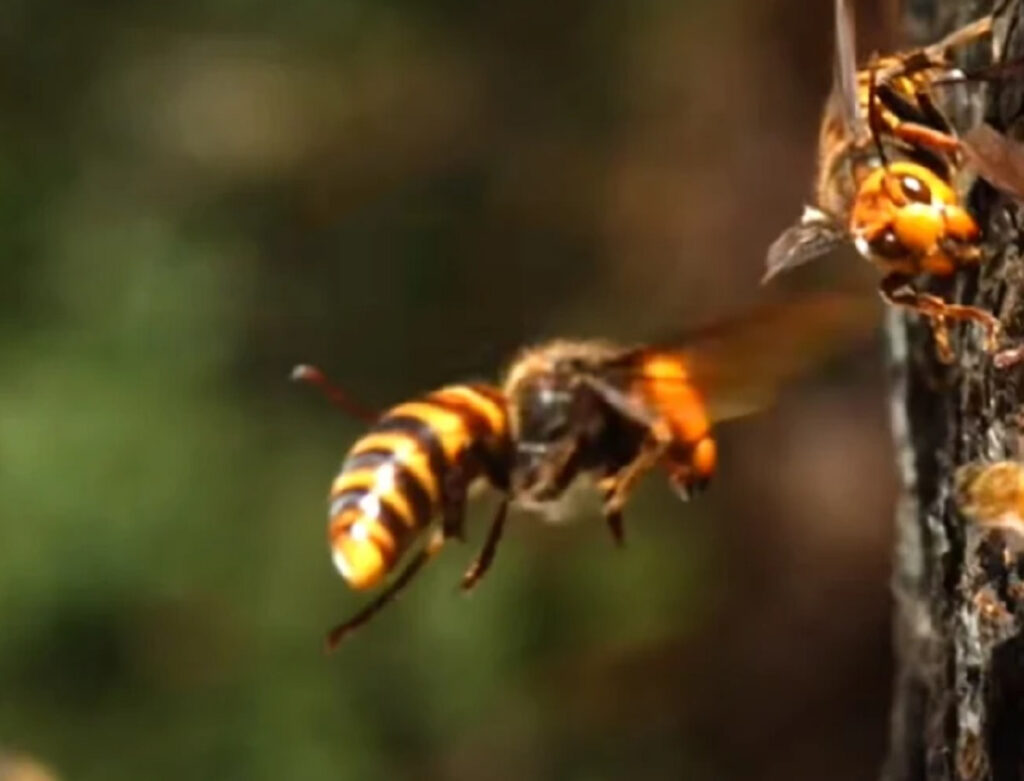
(453, 503)
(482, 563)
(341, 631)
(616, 527)
(616, 487)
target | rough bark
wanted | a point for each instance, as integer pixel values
(958, 710)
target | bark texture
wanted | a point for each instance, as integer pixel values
(958, 711)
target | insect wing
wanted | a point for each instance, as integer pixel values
(816, 234)
(608, 389)
(845, 75)
(739, 366)
(997, 159)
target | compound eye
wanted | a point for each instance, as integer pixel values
(545, 414)
(888, 245)
(916, 190)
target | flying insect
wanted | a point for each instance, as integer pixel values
(567, 409)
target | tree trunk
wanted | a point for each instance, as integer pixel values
(958, 710)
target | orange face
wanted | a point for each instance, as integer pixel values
(909, 221)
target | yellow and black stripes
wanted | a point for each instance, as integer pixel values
(416, 463)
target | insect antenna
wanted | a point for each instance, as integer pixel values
(312, 375)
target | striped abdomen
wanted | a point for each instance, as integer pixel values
(400, 475)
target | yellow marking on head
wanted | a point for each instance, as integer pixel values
(919, 227)
(377, 480)
(484, 406)
(448, 425)
(408, 451)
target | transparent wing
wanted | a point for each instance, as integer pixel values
(845, 75)
(997, 159)
(739, 366)
(815, 235)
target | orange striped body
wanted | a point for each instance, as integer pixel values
(417, 459)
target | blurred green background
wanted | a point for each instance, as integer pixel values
(196, 196)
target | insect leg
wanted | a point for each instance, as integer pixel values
(939, 51)
(917, 134)
(427, 552)
(621, 483)
(453, 503)
(615, 488)
(482, 562)
(1011, 356)
(616, 527)
(938, 54)
(896, 289)
(311, 375)
(687, 482)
